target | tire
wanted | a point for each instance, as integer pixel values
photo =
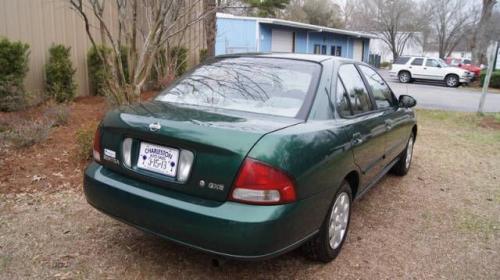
(452, 80)
(404, 163)
(404, 77)
(321, 247)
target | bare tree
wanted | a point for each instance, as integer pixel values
(450, 21)
(318, 12)
(394, 21)
(144, 27)
(483, 28)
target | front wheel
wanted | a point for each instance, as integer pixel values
(404, 162)
(452, 81)
(404, 77)
(326, 245)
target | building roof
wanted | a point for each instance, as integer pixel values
(298, 56)
(296, 24)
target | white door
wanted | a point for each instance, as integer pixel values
(433, 70)
(282, 41)
(358, 50)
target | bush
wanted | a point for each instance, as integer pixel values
(97, 71)
(58, 114)
(14, 58)
(84, 141)
(179, 55)
(203, 55)
(385, 64)
(28, 133)
(494, 81)
(59, 72)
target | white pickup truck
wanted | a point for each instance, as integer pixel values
(410, 68)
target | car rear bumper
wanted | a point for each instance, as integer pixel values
(229, 229)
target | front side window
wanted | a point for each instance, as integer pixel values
(358, 95)
(417, 62)
(381, 92)
(258, 85)
(431, 63)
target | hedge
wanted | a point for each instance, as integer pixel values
(14, 59)
(59, 71)
(494, 81)
(97, 71)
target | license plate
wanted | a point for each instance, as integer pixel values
(158, 159)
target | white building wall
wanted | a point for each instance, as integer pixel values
(457, 54)
(412, 47)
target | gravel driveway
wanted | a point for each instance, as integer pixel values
(442, 220)
(434, 95)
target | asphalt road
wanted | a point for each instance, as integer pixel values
(438, 96)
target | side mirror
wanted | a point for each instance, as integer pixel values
(439, 66)
(460, 65)
(407, 101)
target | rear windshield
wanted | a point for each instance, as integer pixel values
(259, 85)
(401, 60)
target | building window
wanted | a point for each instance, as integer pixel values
(317, 49)
(323, 49)
(338, 51)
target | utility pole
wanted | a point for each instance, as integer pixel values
(491, 61)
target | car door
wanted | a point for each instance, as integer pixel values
(416, 68)
(396, 119)
(363, 125)
(433, 69)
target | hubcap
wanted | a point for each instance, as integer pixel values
(409, 153)
(404, 77)
(339, 219)
(452, 81)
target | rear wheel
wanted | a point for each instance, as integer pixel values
(404, 162)
(404, 77)
(326, 245)
(452, 80)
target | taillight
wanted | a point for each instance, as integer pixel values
(96, 150)
(259, 183)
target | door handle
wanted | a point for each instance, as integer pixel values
(356, 139)
(388, 124)
(410, 67)
(425, 68)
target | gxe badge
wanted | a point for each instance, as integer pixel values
(154, 126)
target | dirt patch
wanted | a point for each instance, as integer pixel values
(442, 220)
(50, 165)
(490, 122)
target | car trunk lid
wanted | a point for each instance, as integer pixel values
(219, 139)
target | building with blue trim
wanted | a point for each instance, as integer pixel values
(237, 34)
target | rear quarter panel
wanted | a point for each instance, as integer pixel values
(317, 154)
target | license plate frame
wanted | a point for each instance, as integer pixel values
(158, 159)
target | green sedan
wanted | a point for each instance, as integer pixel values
(251, 156)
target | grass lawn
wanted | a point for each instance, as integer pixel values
(442, 220)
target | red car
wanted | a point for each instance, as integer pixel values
(464, 64)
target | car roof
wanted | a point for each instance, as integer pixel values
(297, 56)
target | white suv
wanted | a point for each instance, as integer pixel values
(410, 68)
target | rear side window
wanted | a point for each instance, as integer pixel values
(417, 62)
(355, 88)
(381, 92)
(401, 60)
(343, 105)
